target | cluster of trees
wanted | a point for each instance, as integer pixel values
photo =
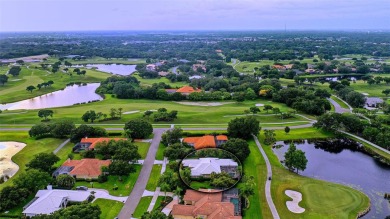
(92, 115)
(308, 100)
(243, 127)
(375, 131)
(79, 72)
(123, 154)
(58, 129)
(83, 210)
(3, 79)
(162, 114)
(39, 86)
(28, 183)
(14, 71)
(138, 129)
(221, 180)
(353, 98)
(83, 131)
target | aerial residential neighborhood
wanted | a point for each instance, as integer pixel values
(194, 109)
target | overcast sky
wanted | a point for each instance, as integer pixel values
(65, 15)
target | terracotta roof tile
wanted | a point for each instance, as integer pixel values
(94, 141)
(187, 89)
(222, 137)
(86, 167)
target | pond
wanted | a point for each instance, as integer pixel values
(69, 96)
(7, 150)
(118, 69)
(327, 160)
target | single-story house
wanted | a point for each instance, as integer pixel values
(373, 102)
(203, 167)
(90, 143)
(279, 67)
(51, 200)
(186, 90)
(207, 141)
(204, 205)
(87, 168)
(163, 73)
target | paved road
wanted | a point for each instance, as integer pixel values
(61, 146)
(368, 142)
(139, 187)
(337, 107)
(268, 196)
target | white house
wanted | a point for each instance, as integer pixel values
(203, 167)
(49, 201)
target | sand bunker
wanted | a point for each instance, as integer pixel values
(7, 150)
(259, 104)
(293, 205)
(204, 103)
(131, 112)
(365, 94)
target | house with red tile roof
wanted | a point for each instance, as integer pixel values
(87, 168)
(204, 205)
(90, 143)
(207, 141)
(186, 90)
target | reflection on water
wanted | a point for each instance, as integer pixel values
(350, 167)
(67, 97)
(118, 69)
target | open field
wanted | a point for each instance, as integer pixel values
(16, 90)
(318, 196)
(186, 114)
(125, 184)
(154, 176)
(149, 82)
(109, 208)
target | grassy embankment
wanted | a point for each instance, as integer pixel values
(321, 199)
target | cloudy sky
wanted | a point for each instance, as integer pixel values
(64, 15)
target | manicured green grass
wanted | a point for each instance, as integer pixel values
(201, 185)
(16, 90)
(64, 152)
(124, 186)
(110, 208)
(33, 147)
(160, 152)
(143, 148)
(154, 176)
(254, 165)
(158, 202)
(341, 103)
(142, 206)
(186, 114)
(318, 196)
(371, 148)
(149, 82)
(374, 90)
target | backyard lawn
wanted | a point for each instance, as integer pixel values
(110, 208)
(125, 185)
(143, 148)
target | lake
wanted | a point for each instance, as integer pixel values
(349, 167)
(118, 69)
(67, 97)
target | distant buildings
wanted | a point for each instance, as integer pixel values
(195, 67)
(87, 168)
(49, 201)
(208, 205)
(203, 167)
(373, 102)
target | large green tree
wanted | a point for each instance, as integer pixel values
(138, 129)
(32, 180)
(238, 147)
(172, 136)
(295, 159)
(65, 181)
(3, 79)
(43, 162)
(45, 113)
(243, 127)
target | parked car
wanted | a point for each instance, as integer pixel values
(84, 188)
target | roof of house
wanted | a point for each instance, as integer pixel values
(373, 100)
(86, 167)
(205, 204)
(206, 166)
(48, 201)
(94, 141)
(163, 73)
(187, 89)
(207, 141)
